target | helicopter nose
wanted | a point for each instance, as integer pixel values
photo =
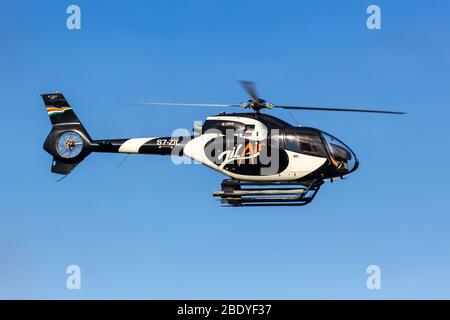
(345, 165)
(350, 162)
(343, 158)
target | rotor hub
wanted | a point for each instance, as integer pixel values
(70, 144)
(257, 105)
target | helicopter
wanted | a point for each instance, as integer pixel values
(268, 161)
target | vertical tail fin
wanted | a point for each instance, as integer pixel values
(68, 141)
(60, 111)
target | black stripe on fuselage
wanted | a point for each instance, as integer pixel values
(160, 145)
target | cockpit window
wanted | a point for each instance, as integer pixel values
(338, 150)
(293, 144)
(306, 143)
(311, 144)
(344, 158)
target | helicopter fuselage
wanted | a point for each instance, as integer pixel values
(250, 147)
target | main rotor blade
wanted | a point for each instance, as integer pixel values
(249, 86)
(181, 104)
(340, 109)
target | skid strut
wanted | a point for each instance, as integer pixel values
(237, 193)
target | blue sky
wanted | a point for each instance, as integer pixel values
(150, 229)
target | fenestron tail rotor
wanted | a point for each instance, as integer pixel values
(257, 104)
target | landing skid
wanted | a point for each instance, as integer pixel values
(236, 193)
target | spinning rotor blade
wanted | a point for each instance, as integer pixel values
(249, 86)
(181, 104)
(339, 109)
(258, 104)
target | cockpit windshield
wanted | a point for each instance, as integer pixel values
(343, 156)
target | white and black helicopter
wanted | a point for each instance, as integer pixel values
(268, 161)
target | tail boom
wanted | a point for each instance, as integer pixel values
(69, 142)
(158, 145)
